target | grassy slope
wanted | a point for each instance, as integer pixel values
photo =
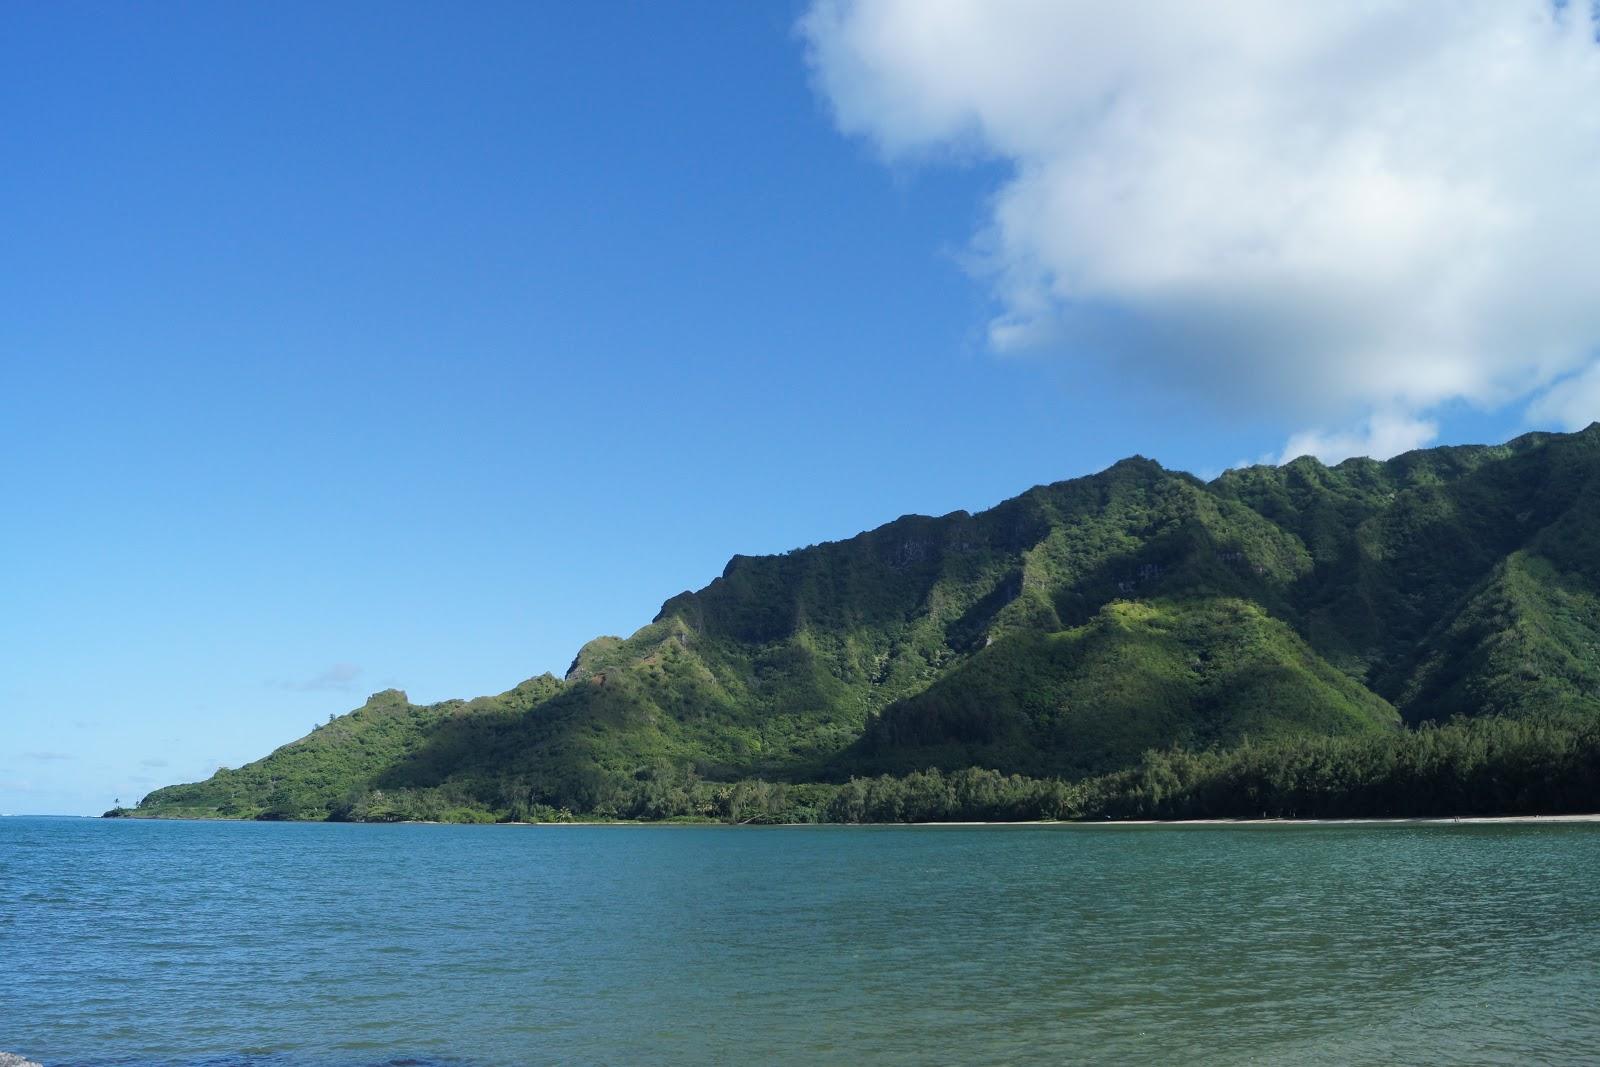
(325, 770)
(1140, 675)
(1062, 631)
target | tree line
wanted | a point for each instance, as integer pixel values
(1468, 766)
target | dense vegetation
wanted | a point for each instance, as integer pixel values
(1132, 643)
(1482, 766)
(1139, 675)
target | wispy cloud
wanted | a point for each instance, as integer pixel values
(47, 757)
(154, 762)
(339, 677)
(1346, 214)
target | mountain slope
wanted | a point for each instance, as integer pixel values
(1139, 675)
(1062, 632)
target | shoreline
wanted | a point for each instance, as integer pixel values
(1396, 820)
(1417, 820)
(1402, 820)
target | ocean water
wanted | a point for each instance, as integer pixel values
(283, 945)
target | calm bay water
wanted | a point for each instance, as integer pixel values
(283, 945)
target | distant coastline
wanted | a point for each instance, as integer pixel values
(1429, 820)
(1433, 820)
(1476, 820)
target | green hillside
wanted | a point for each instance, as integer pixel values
(1140, 675)
(1061, 634)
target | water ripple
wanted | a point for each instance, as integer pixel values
(285, 945)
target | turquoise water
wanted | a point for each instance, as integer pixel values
(287, 944)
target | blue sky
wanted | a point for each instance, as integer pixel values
(401, 344)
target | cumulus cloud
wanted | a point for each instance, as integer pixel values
(1350, 213)
(1571, 403)
(1383, 433)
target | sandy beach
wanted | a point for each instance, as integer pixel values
(1464, 820)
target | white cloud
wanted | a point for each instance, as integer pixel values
(1350, 212)
(1572, 403)
(1382, 434)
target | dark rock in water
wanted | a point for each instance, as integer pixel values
(8, 1060)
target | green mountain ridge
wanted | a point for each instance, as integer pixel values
(1062, 634)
